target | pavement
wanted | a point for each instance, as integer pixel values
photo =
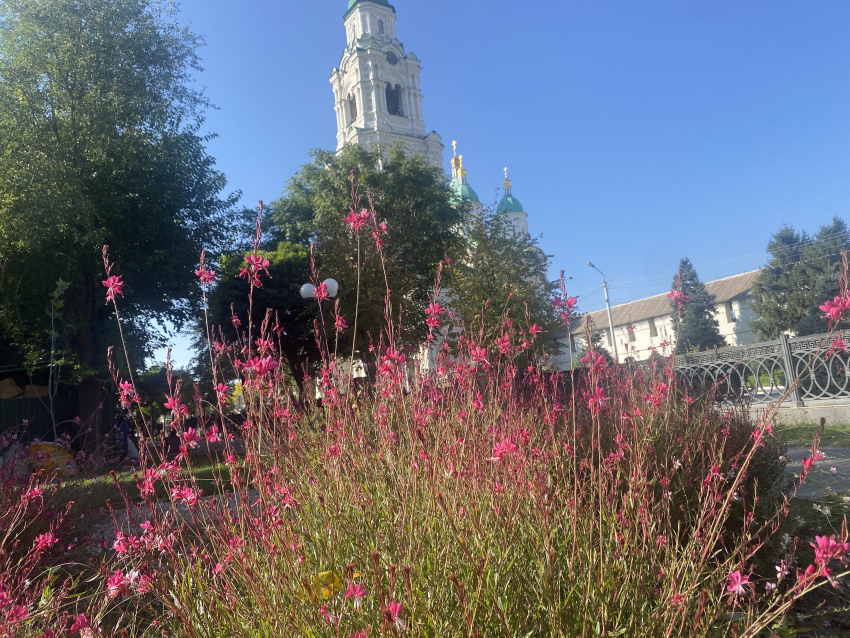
(830, 476)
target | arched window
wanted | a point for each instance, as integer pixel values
(381, 27)
(394, 100)
(352, 107)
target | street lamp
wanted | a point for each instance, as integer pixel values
(308, 291)
(610, 316)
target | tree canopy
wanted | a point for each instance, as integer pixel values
(289, 268)
(405, 192)
(801, 274)
(499, 275)
(698, 330)
(100, 144)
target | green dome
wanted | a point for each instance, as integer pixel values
(509, 204)
(464, 192)
(351, 4)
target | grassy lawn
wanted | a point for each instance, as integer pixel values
(836, 435)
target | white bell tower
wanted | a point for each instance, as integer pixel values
(376, 87)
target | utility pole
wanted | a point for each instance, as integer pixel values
(610, 316)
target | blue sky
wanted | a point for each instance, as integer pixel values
(636, 133)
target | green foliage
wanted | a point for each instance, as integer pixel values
(499, 275)
(802, 272)
(289, 268)
(410, 195)
(99, 145)
(699, 330)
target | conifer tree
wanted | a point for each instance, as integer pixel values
(697, 327)
(801, 274)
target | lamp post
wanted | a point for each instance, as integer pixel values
(610, 316)
(308, 291)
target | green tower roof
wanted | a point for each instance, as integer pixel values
(351, 4)
(509, 204)
(464, 192)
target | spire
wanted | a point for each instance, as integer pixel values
(456, 161)
(507, 183)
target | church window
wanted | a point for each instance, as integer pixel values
(352, 107)
(653, 331)
(394, 100)
(381, 27)
(730, 312)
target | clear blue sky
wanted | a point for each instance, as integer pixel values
(636, 133)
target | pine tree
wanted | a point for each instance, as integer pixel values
(801, 274)
(697, 327)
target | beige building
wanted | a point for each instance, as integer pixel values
(642, 326)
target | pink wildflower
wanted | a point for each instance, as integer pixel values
(737, 582)
(205, 276)
(176, 407)
(191, 437)
(356, 594)
(596, 401)
(394, 614)
(44, 541)
(340, 323)
(114, 287)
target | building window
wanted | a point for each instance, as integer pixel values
(573, 347)
(632, 337)
(730, 312)
(653, 331)
(394, 100)
(381, 27)
(352, 107)
(608, 335)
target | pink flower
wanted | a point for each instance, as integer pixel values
(222, 390)
(261, 367)
(340, 323)
(678, 298)
(504, 344)
(505, 447)
(255, 266)
(127, 393)
(80, 623)
(596, 401)
(737, 582)
(116, 584)
(356, 594)
(176, 407)
(678, 599)
(535, 330)
(809, 463)
(321, 292)
(826, 549)
(394, 614)
(479, 355)
(835, 309)
(17, 614)
(114, 287)
(191, 437)
(44, 541)
(212, 434)
(356, 221)
(359, 634)
(205, 276)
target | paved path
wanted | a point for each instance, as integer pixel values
(822, 480)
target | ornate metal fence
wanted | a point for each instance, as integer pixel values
(808, 370)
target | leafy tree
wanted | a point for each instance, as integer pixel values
(698, 329)
(289, 268)
(797, 279)
(100, 144)
(407, 193)
(496, 275)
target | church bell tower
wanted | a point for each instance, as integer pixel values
(376, 86)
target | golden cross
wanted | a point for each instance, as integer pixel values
(506, 172)
(454, 146)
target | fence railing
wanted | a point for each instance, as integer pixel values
(761, 373)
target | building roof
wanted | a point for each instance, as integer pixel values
(726, 289)
(464, 192)
(509, 204)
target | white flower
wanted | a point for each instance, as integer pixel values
(770, 586)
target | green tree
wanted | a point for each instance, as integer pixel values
(407, 193)
(289, 268)
(498, 274)
(797, 276)
(100, 144)
(697, 327)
